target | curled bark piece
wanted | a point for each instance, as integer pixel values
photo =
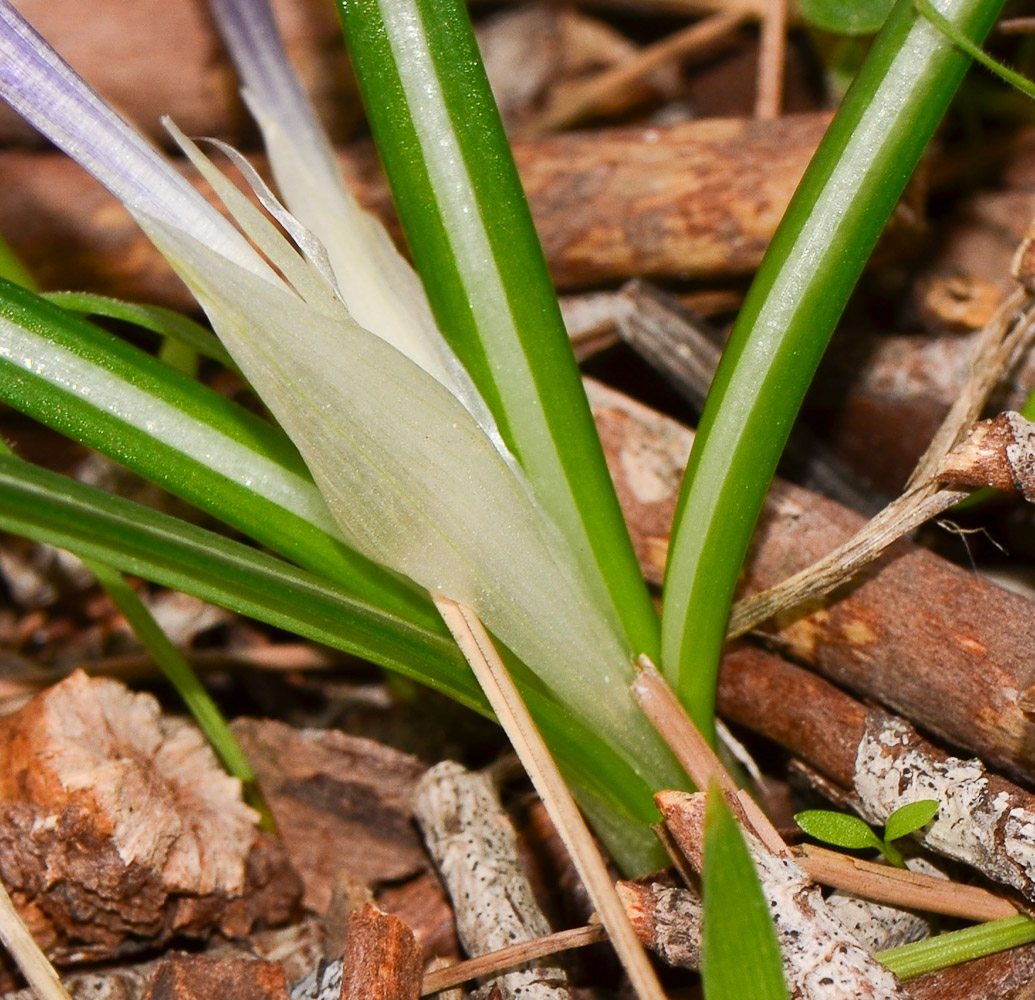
(118, 825)
(983, 820)
(473, 844)
(999, 452)
(822, 961)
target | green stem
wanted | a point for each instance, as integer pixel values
(956, 947)
(808, 273)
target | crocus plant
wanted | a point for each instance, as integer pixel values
(333, 331)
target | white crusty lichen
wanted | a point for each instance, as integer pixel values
(982, 820)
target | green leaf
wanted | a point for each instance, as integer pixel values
(99, 390)
(909, 818)
(796, 299)
(740, 956)
(846, 17)
(157, 319)
(468, 225)
(837, 828)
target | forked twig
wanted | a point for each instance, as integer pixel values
(1012, 325)
(479, 651)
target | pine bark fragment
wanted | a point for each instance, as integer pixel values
(119, 828)
(341, 803)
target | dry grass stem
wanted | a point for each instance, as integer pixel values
(771, 58)
(505, 958)
(676, 728)
(26, 953)
(583, 100)
(506, 702)
(899, 887)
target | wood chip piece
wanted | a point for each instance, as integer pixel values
(118, 825)
(382, 958)
(340, 802)
(199, 977)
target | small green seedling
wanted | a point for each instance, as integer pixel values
(843, 830)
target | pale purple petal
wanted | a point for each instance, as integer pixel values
(51, 96)
(250, 33)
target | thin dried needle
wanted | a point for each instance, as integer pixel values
(585, 99)
(503, 696)
(771, 59)
(677, 729)
(38, 971)
(516, 954)
(899, 887)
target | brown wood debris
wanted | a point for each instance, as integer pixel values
(933, 642)
(382, 958)
(198, 977)
(342, 803)
(999, 452)
(701, 198)
(983, 819)
(119, 828)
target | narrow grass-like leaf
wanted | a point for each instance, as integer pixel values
(740, 956)
(55, 510)
(955, 947)
(157, 319)
(810, 269)
(838, 829)
(472, 238)
(909, 818)
(103, 392)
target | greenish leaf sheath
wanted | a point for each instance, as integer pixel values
(740, 956)
(809, 270)
(471, 234)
